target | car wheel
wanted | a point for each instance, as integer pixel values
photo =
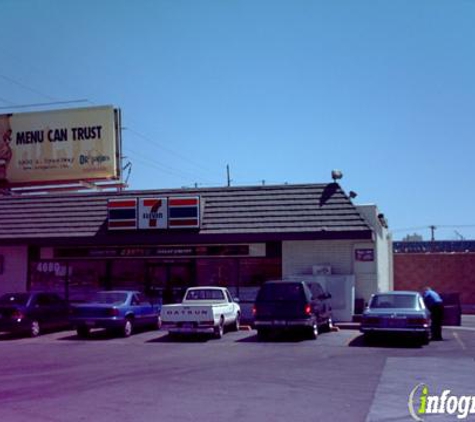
(263, 334)
(35, 328)
(82, 331)
(237, 322)
(219, 330)
(128, 328)
(313, 331)
(425, 339)
(368, 338)
(327, 327)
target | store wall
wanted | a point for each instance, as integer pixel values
(299, 257)
(372, 272)
(382, 243)
(13, 271)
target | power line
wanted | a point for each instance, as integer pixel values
(45, 104)
(436, 226)
(161, 167)
(164, 148)
(6, 101)
(24, 86)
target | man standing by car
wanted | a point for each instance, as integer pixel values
(434, 303)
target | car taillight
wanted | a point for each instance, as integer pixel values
(254, 310)
(113, 312)
(308, 309)
(417, 321)
(18, 315)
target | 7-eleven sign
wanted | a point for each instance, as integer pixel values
(153, 213)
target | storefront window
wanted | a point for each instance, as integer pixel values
(74, 280)
(167, 280)
(86, 278)
(255, 271)
(242, 276)
(128, 274)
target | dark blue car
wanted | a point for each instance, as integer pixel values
(32, 312)
(119, 311)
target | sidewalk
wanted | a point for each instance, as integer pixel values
(468, 321)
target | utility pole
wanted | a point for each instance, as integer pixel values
(229, 175)
(432, 233)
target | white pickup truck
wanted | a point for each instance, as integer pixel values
(203, 310)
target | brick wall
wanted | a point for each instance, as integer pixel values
(445, 272)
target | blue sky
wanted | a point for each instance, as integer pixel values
(279, 90)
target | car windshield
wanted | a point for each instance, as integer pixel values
(110, 298)
(15, 299)
(281, 292)
(393, 301)
(205, 294)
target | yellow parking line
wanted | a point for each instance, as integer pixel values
(459, 341)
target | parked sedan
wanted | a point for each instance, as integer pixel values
(398, 312)
(119, 311)
(32, 312)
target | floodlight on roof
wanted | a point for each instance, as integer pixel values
(336, 174)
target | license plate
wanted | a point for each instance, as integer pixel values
(188, 326)
(90, 323)
(279, 322)
(396, 323)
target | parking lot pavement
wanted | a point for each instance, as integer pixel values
(401, 376)
(151, 377)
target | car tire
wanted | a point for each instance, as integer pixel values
(313, 331)
(237, 322)
(368, 338)
(219, 330)
(425, 339)
(328, 326)
(128, 328)
(82, 331)
(35, 328)
(263, 334)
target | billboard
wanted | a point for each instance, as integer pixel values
(60, 146)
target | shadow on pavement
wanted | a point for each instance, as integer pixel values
(94, 335)
(395, 342)
(274, 338)
(176, 338)
(13, 336)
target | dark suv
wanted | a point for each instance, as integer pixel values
(290, 306)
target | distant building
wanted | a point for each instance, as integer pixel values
(448, 266)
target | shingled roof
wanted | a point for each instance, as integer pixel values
(285, 211)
